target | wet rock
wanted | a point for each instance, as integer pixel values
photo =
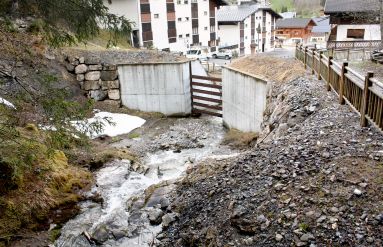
(78, 241)
(155, 216)
(100, 234)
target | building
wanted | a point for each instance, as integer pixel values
(247, 28)
(293, 30)
(173, 25)
(354, 23)
(320, 33)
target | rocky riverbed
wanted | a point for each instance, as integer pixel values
(314, 179)
(129, 204)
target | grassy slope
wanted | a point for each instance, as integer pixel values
(278, 4)
(312, 11)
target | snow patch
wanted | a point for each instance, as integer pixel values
(7, 103)
(121, 123)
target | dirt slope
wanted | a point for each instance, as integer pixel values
(318, 182)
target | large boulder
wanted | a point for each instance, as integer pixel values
(98, 95)
(109, 75)
(91, 85)
(92, 76)
(81, 69)
(114, 94)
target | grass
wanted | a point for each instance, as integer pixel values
(100, 42)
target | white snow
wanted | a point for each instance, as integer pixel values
(121, 123)
(7, 103)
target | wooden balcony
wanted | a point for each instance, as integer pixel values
(353, 44)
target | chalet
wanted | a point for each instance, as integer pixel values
(173, 25)
(247, 27)
(293, 30)
(321, 31)
(354, 23)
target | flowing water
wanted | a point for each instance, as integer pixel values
(112, 222)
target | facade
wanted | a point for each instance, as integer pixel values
(246, 28)
(353, 23)
(293, 30)
(174, 25)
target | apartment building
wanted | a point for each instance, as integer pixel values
(247, 27)
(174, 25)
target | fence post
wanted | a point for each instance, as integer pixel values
(305, 58)
(320, 65)
(348, 54)
(313, 63)
(342, 79)
(367, 84)
(329, 73)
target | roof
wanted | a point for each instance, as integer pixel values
(288, 14)
(293, 23)
(342, 6)
(322, 24)
(237, 13)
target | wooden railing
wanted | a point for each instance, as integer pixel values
(363, 93)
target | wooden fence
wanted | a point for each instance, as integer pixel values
(363, 93)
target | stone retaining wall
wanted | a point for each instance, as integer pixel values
(99, 80)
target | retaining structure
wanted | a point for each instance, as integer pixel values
(244, 100)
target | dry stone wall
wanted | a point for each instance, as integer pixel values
(98, 79)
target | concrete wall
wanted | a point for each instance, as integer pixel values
(163, 87)
(244, 100)
(372, 32)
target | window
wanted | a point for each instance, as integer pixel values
(245, 37)
(156, 16)
(178, 1)
(212, 29)
(205, 28)
(205, 13)
(186, 2)
(245, 25)
(187, 18)
(179, 19)
(187, 35)
(195, 30)
(180, 36)
(355, 33)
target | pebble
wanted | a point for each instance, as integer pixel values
(306, 237)
(357, 192)
(278, 237)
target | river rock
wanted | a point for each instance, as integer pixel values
(91, 85)
(109, 75)
(78, 241)
(114, 94)
(155, 215)
(100, 234)
(81, 69)
(92, 76)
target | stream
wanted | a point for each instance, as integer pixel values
(122, 218)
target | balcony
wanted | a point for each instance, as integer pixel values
(353, 44)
